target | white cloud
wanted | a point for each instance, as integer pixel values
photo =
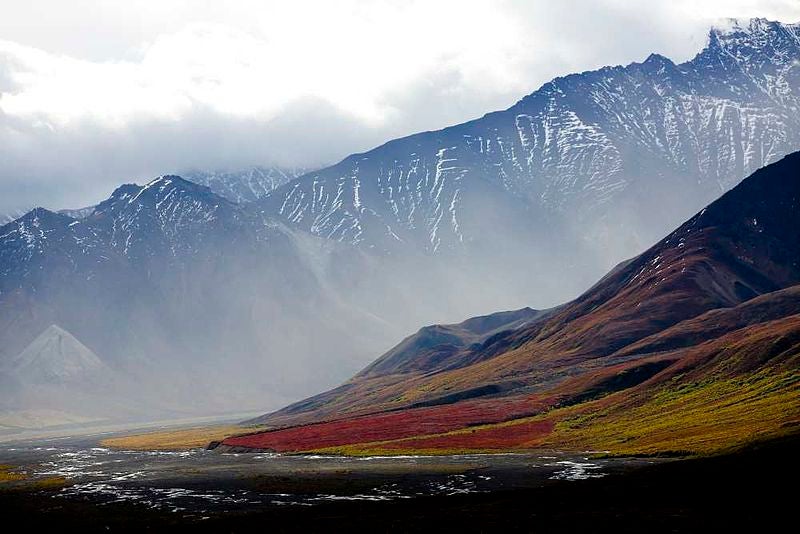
(350, 57)
(93, 93)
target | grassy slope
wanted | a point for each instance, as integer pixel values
(691, 418)
(686, 419)
(726, 392)
(715, 399)
(173, 440)
(740, 387)
(689, 346)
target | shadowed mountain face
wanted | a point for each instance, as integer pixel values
(712, 305)
(441, 347)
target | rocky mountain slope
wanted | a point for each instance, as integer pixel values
(182, 291)
(244, 185)
(590, 167)
(707, 319)
(238, 186)
(284, 290)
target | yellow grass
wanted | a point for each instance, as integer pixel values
(14, 480)
(696, 418)
(175, 440)
(8, 475)
(686, 419)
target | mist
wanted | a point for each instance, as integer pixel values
(235, 322)
(234, 314)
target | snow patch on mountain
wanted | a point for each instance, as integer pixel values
(578, 151)
(244, 185)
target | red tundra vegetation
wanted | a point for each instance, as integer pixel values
(393, 425)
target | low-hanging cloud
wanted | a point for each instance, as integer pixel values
(102, 96)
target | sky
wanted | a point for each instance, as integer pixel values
(98, 93)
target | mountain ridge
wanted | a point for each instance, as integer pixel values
(169, 282)
(171, 279)
(310, 201)
(244, 185)
(712, 307)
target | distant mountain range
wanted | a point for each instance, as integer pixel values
(286, 285)
(244, 185)
(691, 346)
(183, 292)
(597, 164)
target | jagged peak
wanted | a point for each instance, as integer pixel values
(173, 182)
(726, 34)
(170, 179)
(657, 62)
(755, 31)
(657, 58)
(130, 193)
(732, 26)
(37, 214)
(738, 40)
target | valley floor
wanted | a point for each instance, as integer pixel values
(741, 491)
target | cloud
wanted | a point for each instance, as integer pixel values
(82, 161)
(95, 93)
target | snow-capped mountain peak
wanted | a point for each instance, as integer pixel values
(608, 159)
(244, 185)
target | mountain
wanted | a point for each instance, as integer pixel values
(237, 186)
(57, 380)
(185, 294)
(56, 356)
(694, 344)
(244, 185)
(434, 347)
(590, 168)
(77, 213)
(211, 299)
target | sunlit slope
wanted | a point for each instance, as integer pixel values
(690, 346)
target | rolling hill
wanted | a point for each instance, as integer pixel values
(691, 346)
